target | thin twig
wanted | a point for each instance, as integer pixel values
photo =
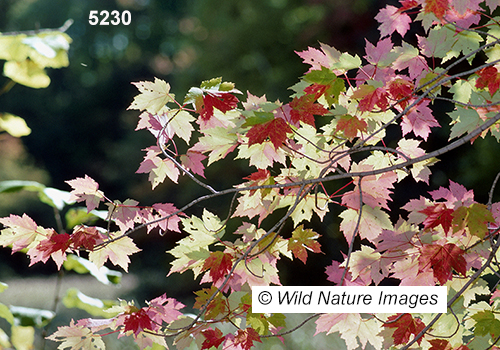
(61, 29)
(356, 229)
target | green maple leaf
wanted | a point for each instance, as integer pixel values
(476, 218)
(466, 42)
(463, 121)
(218, 305)
(486, 323)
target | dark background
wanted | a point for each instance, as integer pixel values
(80, 124)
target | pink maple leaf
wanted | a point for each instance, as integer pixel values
(394, 242)
(416, 65)
(164, 309)
(335, 273)
(167, 209)
(157, 167)
(392, 19)
(192, 161)
(376, 189)
(375, 54)
(155, 123)
(125, 214)
(419, 120)
(86, 189)
(456, 196)
(314, 57)
(326, 322)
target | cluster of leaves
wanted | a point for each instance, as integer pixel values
(333, 128)
(27, 54)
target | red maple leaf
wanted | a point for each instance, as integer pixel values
(54, 246)
(438, 7)
(440, 344)
(405, 326)
(275, 130)
(370, 97)
(437, 215)
(137, 321)
(213, 337)
(407, 5)
(243, 339)
(316, 90)
(305, 108)
(350, 126)
(443, 260)
(401, 90)
(489, 77)
(261, 174)
(218, 264)
(192, 160)
(85, 237)
(223, 101)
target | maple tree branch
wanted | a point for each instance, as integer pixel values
(292, 329)
(356, 228)
(461, 141)
(185, 171)
(492, 190)
(492, 345)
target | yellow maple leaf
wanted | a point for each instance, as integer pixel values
(153, 96)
